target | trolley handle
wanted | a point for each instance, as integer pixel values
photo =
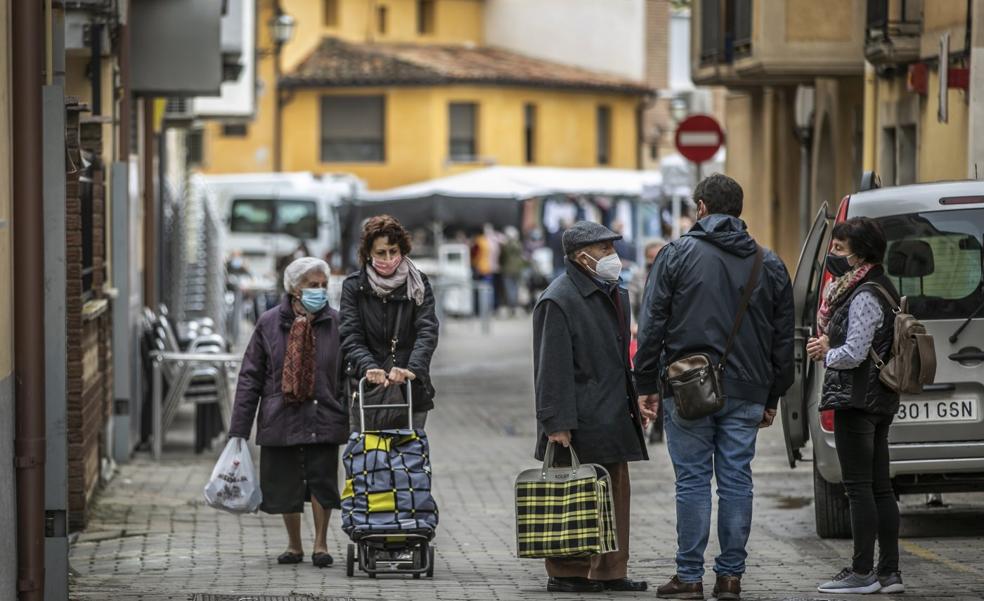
(362, 407)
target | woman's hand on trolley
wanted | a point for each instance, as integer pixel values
(398, 375)
(376, 376)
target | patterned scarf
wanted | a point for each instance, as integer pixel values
(299, 360)
(407, 273)
(837, 291)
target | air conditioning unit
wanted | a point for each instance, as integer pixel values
(178, 110)
(79, 29)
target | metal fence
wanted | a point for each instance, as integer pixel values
(193, 270)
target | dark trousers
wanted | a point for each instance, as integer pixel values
(862, 449)
(608, 566)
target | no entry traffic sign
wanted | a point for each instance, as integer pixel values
(699, 137)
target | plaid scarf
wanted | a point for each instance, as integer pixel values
(299, 361)
(837, 291)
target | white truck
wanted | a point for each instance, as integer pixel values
(268, 216)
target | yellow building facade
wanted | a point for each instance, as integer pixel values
(435, 100)
(906, 141)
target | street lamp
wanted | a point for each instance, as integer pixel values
(281, 28)
(281, 31)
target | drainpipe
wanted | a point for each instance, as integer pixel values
(646, 103)
(126, 97)
(27, 69)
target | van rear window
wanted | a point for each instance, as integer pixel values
(297, 218)
(936, 259)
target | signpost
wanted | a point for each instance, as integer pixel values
(698, 138)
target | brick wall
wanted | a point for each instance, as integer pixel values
(89, 320)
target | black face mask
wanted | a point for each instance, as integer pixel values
(837, 265)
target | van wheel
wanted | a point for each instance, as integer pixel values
(833, 512)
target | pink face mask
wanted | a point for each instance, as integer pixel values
(386, 268)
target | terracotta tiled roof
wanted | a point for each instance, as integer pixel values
(340, 63)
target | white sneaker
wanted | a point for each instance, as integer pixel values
(891, 583)
(850, 582)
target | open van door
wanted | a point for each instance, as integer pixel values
(795, 423)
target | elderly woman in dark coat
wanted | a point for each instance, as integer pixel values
(290, 372)
(389, 325)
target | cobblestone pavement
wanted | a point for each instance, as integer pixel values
(151, 537)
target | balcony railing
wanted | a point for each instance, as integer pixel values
(892, 31)
(882, 24)
(725, 30)
(711, 40)
(741, 18)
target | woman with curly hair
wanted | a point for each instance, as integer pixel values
(389, 327)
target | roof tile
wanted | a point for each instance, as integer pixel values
(340, 63)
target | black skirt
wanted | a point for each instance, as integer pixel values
(290, 476)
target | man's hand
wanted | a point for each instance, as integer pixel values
(398, 375)
(376, 376)
(817, 348)
(563, 438)
(648, 408)
(767, 418)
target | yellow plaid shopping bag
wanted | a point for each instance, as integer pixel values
(564, 511)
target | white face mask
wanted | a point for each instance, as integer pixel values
(608, 268)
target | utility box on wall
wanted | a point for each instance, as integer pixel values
(177, 49)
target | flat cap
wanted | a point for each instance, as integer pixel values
(586, 233)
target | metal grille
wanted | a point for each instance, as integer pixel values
(210, 597)
(193, 266)
(743, 27)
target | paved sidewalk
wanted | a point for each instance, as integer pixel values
(151, 537)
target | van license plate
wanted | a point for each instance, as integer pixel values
(956, 410)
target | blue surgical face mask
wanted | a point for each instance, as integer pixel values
(314, 299)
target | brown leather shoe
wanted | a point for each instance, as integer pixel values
(728, 588)
(675, 589)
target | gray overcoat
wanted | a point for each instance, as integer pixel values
(581, 369)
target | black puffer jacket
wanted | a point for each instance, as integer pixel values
(860, 388)
(368, 324)
(690, 304)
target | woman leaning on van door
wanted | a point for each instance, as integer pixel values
(290, 373)
(389, 325)
(855, 319)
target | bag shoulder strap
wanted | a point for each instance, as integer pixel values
(743, 306)
(896, 305)
(395, 338)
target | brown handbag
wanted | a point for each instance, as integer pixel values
(694, 379)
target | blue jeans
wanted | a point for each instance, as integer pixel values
(722, 444)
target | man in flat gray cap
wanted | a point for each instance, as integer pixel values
(585, 395)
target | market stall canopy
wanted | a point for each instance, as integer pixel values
(494, 194)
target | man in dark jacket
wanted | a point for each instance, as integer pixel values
(585, 397)
(690, 306)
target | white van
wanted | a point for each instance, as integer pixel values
(935, 257)
(270, 215)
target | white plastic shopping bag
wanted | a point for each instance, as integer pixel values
(234, 486)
